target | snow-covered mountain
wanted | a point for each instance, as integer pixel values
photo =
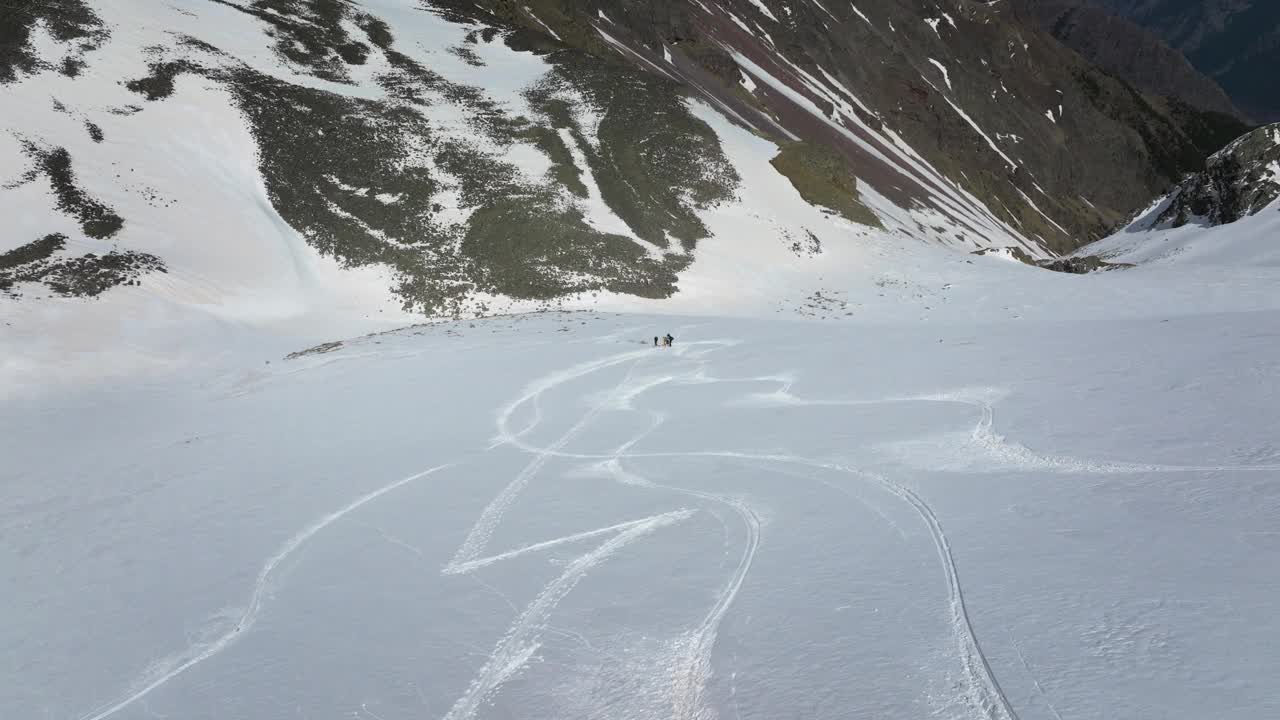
(877, 475)
(268, 159)
(1228, 213)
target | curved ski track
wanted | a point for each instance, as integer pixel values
(197, 654)
(692, 668)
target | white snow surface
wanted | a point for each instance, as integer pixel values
(765, 10)
(1249, 244)
(924, 486)
(885, 480)
(1009, 510)
(942, 69)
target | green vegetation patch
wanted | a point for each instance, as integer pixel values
(823, 178)
(310, 35)
(159, 84)
(564, 171)
(656, 164)
(343, 173)
(96, 219)
(33, 252)
(541, 253)
(88, 275)
(68, 21)
(365, 181)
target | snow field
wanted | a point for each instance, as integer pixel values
(768, 513)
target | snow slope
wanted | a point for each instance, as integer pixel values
(1250, 242)
(185, 173)
(988, 492)
(874, 477)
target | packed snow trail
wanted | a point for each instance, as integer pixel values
(684, 666)
(478, 538)
(256, 598)
(466, 567)
(695, 666)
(691, 680)
(522, 639)
(515, 650)
(693, 669)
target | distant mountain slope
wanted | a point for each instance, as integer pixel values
(1236, 42)
(1051, 145)
(1228, 213)
(261, 157)
(385, 135)
(1128, 51)
(1241, 180)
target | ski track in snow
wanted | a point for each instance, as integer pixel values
(545, 545)
(491, 516)
(522, 640)
(1022, 659)
(986, 693)
(199, 653)
(692, 664)
(689, 685)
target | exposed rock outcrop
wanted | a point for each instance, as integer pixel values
(1240, 180)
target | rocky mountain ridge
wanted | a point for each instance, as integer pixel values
(1241, 180)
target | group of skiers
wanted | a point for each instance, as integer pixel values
(666, 340)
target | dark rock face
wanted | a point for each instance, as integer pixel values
(1240, 180)
(1072, 265)
(1080, 265)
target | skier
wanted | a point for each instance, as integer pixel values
(655, 341)
(668, 340)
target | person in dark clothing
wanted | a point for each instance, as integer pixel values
(668, 339)
(655, 341)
